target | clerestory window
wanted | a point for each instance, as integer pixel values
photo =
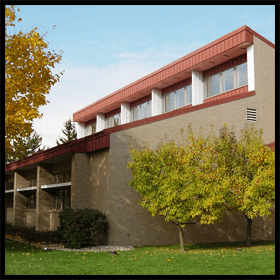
(226, 80)
(177, 99)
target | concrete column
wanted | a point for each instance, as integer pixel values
(44, 200)
(197, 88)
(250, 68)
(100, 122)
(20, 201)
(156, 102)
(125, 113)
(80, 190)
(81, 131)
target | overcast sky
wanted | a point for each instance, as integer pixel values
(108, 47)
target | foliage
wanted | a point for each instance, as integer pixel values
(180, 183)
(28, 78)
(32, 143)
(250, 173)
(79, 227)
(69, 131)
(29, 234)
(201, 179)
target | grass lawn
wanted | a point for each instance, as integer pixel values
(203, 259)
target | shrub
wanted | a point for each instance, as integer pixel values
(29, 234)
(79, 227)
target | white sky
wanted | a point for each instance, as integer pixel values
(108, 47)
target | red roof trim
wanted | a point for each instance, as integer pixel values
(97, 141)
(271, 145)
(211, 50)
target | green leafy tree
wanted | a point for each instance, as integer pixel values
(32, 144)
(69, 131)
(180, 183)
(250, 178)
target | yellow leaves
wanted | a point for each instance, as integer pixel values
(28, 79)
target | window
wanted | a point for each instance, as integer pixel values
(177, 99)
(241, 71)
(93, 128)
(180, 98)
(113, 120)
(227, 80)
(31, 200)
(189, 94)
(213, 85)
(141, 111)
(62, 177)
(32, 182)
(61, 199)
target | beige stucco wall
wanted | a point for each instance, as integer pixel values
(264, 101)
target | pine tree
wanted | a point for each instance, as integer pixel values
(32, 146)
(69, 131)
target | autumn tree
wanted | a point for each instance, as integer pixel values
(249, 173)
(28, 78)
(180, 183)
(33, 144)
(69, 131)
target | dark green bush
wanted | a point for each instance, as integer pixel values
(31, 235)
(79, 227)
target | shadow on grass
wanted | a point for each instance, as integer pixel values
(213, 246)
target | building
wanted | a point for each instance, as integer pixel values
(231, 79)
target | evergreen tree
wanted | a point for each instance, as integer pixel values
(69, 131)
(32, 146)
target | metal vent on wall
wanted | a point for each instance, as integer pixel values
(251, 115)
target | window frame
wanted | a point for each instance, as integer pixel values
(29, 203)
(55, 194)
(168, 95)
(235, 78)
(111, 121)
(137, 111)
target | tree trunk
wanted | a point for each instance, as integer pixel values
(181, 236)
(249, 226)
